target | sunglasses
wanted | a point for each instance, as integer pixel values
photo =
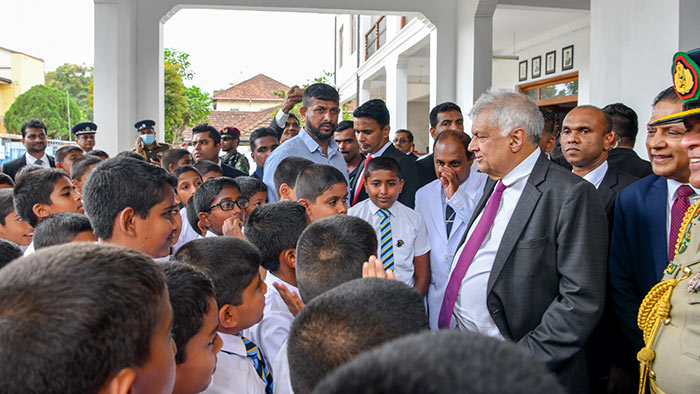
(227, 205)
(227, 139)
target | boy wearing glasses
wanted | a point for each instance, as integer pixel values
(230, 137)
(220, 207)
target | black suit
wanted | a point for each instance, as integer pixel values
(409, 170)
(613, 182)
(426, 169)
(627, 160)
(231, 172)
(12, 167)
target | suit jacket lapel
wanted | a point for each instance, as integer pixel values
(523, 211)
(658, 238)
(605, 191)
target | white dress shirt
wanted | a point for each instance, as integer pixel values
(283, 384)
(187, 234)
(442, 247)
(408, 235)
(471, 312)
(273, 329)
(671, 194)
(597, 174)
(235, 372)
(31, 160)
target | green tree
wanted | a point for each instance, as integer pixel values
(47, 104)
(77, 80)
(325, 77)
(184, 106)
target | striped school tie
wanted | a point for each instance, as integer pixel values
(259, 363)
(386, 248)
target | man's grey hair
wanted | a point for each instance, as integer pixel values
(510, 110)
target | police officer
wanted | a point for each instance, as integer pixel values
(670, 314)
(146, 143)
(85, 135)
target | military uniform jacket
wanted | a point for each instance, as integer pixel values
(155, 153)
(676, 364)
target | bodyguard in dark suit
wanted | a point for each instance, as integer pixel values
(642, 235)
(372, 132)
(625, 125)
(34, 140)
(532, 265)
(445, 116)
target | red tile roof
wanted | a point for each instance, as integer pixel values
(260, 87)
(245, 121)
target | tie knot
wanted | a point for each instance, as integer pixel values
(384, 213)
(685, 191)
(500, 187)
(39, 162)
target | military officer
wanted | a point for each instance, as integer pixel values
(670, 314)
(146, 143)
(230, 137)
(85, 135)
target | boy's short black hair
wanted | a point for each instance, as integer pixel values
(8, 252)
(459, 135)
(365, 313)
(99, 153)
(26, 170)
(119, 183)
(320, 91)
(131, 155)
(315, 179)
(172, 156)
(214, 134)
(193, 216)
(440, 108)
(7, 205)
(331, 251)
(63, 151)
(288, 170)
(383, 163)
(81, 165)
(35, 187)
(183, 169)
(189, 290)
(274, 228)
(207, 192)
(374, 109)
(206, 166)
(250, 185)
(231, 263)
(60, 228)
(6, 180)
(407, 132)
(435, 362)
(69, 291)
(32, 124)
(262, 132)
(345, 124)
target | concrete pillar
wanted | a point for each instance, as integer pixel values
(150, 97)
(397, 93)
(364, 92)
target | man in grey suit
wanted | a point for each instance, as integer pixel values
(532, 266)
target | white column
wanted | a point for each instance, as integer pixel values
(150, 97)
(475, 49)
(397, 92)
(114, 74)
(364, 92)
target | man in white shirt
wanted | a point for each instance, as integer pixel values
(532, 267)
(458, 189)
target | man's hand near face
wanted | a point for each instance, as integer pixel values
(294, 97)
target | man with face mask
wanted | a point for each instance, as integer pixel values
(146, 144)
(320, 111)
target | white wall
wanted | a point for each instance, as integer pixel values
(504, 74)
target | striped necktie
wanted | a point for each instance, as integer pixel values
(259, 363)
(386, 248)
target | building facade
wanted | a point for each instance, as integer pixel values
(18, 73)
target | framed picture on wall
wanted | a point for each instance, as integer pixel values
(536, 66)
(567, 58)
(550, 62)
(522, 75)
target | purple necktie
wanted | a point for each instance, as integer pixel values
(467, 256)
(680, 205)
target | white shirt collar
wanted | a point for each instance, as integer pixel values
(381, 151)
(597, 174)
(374, 208)
(522, 170)
(31, 160)
(672, 188)
(233, 344)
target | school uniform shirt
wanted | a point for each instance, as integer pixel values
(235, 372)
(283, 384)
(409, 235)
(273, 329)
(187, 234)
(29, 249)
(442, 245)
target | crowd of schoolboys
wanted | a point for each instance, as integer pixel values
(175, 279)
